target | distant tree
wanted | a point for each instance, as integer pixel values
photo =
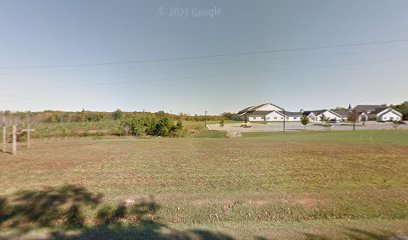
(196, 118)
(325, 122)
(227, 115)
(161, 114)
(402, 108)
(82, 114)
(323, 118)
(353, 117)
(117, 115)
(340, 108)
(304, 120)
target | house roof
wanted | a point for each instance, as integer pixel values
(390, 110)
(315, 112)
(307, 113)
(318, 112)
(263, 113)
(378, 110)
(367, 108)
(293, 113)
(261, 105)
(341, 112)
(260, 113)
(254, 108)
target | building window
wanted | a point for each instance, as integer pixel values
(275, 118)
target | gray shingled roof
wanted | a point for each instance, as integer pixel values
(260, 113)
(318, 112)
(341, 112)
(378, 110)
(367, 108)
(315, 112)
(293, 114)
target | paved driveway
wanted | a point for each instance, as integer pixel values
(297, 126)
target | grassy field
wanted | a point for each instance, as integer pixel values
(330, 185)
(375, 137)
(98, 129)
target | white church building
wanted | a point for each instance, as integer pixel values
(268, 112)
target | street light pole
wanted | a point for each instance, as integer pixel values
(354, 120)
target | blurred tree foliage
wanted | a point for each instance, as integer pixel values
(402, 108)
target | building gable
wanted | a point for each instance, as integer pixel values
(389, 110)
(267, 107)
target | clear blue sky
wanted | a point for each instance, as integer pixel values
(92, 35)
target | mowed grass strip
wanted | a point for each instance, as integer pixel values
(376, 137)
(249, 180)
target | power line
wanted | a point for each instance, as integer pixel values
(223, 74)
(360, 44)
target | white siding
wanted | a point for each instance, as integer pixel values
(256, 119)
(328, 115)
(274, 117)
(293, 118)
(389, 116)
(312, 117)
(363, 117)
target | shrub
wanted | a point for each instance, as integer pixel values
(150, 125)
(305, 120)
(222, 122)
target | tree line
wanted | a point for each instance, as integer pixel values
(50, 116)
(402, 108)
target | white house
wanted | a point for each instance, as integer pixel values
(262, 107)
(293, 116)
(317, 115)
(380, 113)
(387, 114)
(362, 117)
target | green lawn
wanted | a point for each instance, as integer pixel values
(376, 137)
(332, 185)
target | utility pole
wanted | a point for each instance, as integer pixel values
(354, 125)
(354, 119)
(284, 120)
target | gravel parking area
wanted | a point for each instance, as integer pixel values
(297, 126)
